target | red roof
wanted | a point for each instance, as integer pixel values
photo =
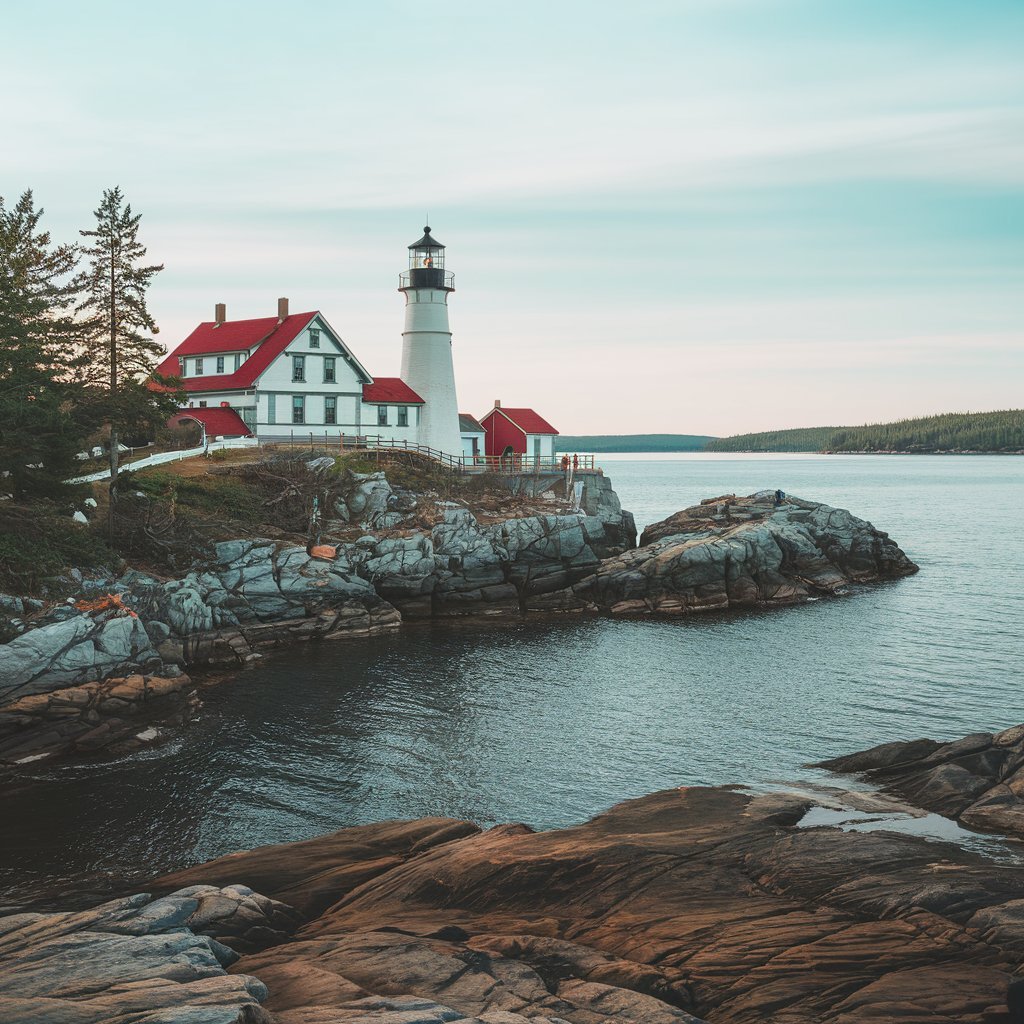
(390, 391)
(526, 420)
(216, 422)
(271, 336)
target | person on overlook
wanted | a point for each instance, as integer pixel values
(565, 463)
(575, 463)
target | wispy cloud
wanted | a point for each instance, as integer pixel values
(702, 197)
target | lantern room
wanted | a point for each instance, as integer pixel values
(426, 265)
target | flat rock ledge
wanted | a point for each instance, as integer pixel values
(116, 714)
(687, 905)
(731, 552)
(977, 780)
(141, 961)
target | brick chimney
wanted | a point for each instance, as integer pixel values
(497, 403)
(220, 313)
(282, 310)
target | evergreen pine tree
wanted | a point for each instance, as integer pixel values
(122, 353)
(43, 418)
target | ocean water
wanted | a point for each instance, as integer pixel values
(551, 722)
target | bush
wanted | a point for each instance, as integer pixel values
(37, 542)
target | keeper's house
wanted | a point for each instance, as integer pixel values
(286, 376)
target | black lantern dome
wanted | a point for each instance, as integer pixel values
(426, 265)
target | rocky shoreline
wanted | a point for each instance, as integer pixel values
(977, 780)
(694, 904)
(85, 674)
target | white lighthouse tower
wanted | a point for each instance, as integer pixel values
(427, 344)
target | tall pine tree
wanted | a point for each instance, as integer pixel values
(43, 418)
(122, 352)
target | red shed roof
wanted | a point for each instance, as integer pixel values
(216, 422)
(390, 391)
(526, 420)
(272, 337)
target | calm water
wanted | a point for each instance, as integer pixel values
(549, 724)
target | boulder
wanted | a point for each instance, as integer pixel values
(977, 780)
(737, 552)
(129, 960)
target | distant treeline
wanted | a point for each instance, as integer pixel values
(976, 432)
(633, 443)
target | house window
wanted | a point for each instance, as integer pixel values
(403, 415)
(329, 369)
(202, 405)
(298, 408)
(249, 418)
(199, 366)
(238, 360)
(298, 368)
(314, 337)
(220, 364)
(271, 408)
(382, 415)
(330, 409)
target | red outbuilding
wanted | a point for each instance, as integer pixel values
(222, 422)
(520, 432)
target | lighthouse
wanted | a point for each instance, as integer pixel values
(427, 344)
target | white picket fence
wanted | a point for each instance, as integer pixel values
(162, 457)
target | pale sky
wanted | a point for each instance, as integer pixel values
(690, 216)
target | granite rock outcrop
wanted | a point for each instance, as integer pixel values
(448, 560)
(977, 780)
(734, 552)
(256, 593)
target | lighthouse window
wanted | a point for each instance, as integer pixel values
(382, 415)
(403, 415)
(329, 369)
(314, 337)
(330, 409)
(298, 369)
(298, 408)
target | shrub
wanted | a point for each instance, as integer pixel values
(37, 542)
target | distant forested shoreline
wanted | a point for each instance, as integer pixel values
(992, 432)
(1001, 431)
(632, 442)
